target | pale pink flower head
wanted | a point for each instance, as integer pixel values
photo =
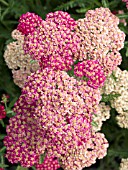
(100, 38)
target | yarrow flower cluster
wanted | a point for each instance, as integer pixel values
(55, 112)
(18, 61)
(60, 109)
(124, 164)
(101, 39)
(53, 42)
(119, 85)
(92, 70)
(2, 112)
(28, 23)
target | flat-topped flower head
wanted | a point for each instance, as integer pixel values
(53, 115)
(92, 70)
(23, 139)
(18, 61)
(28, 23)
(124, 164)
(54, 42)
(86, 155)
(101, 39)
(117, 83)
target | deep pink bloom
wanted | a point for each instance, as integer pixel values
(92, 70)
(28, 23)
(53, 114)
(52, 42)
(2, 112)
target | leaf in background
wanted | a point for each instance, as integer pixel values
(2, 123)
(11, 104)
(4, 2)
(21, 168)
(10, 113)
(105, 3)
(113, 76)
(83, 10)
(3, 165)
(2, 136)
(122, 16)
(67, 5)
(4, 14)
(126, 52)
(109, 97)
(123, 28)
(3, 149)
(122, 154)
(93, 123)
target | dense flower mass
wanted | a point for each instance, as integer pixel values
(86, 155)
(118, 83)
(92, 70)
(2, 112)
(18, 61)
(53, 43)
(101, 39)
(54, 115)
(28, 23)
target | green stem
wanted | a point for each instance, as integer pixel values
(33, 168)
(2, 159)
(18, 168)
(2, 123)
(5, 105)
(3, 149)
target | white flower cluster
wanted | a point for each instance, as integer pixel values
(102, 115)
(118, 83)
(18, 61)
(124, 164)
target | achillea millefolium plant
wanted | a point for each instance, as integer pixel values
(64, 85)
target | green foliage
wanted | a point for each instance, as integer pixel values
(109, 97)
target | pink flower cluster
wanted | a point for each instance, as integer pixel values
(126, 3)
(54, 111)
(2, 112)
(53, 41)
(28, 23)
(101, 39)
(92, 70)
(49, 163)
(54, 115)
